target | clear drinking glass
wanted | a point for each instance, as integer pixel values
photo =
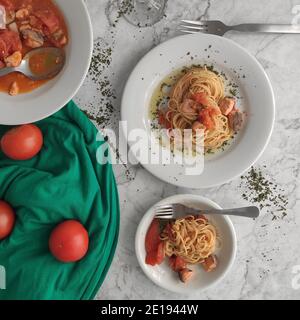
(142, 13)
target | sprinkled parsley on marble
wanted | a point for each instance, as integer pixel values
(101, 60)
(264, 192)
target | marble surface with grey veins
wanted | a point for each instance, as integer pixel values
(268, 250)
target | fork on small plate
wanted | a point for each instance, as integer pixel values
(178, 210)
(219, 28)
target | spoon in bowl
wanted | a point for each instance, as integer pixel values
(39, 64)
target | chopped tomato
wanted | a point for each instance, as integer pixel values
(3, 49)
(155, 251)
(201, 97)
(10, 42)
(161, 118)
(176, 263)
(153, 236)
(49, 19)
(205, 117)
(172, 260)
(160, 253)
(163, 121)
(36, 23)
(151, 258)
(8, 4)
(156, 256)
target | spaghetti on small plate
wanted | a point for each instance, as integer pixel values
(189, 253)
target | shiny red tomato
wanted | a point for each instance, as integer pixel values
(7, 219)
(23, 142)
(69, 241)
(160, 254)
(157, 256)
(155, 251)
(153, 236)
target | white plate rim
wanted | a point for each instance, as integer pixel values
(172, 199)
(134, 74)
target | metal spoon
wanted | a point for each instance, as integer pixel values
(55, 61)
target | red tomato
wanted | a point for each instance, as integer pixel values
(206, 117)
(163, 121)
(3, 49)
(8, 4)
(151, 258)
(49, 19)
(12, 41)
(201, 97)
(155, 251)
(156, 256)
(7, 219)
(177, 263)
(69, 241)
(160, 253)
(153, 236)
(23, 142)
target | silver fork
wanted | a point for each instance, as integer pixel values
(177, 210)
(219, 28)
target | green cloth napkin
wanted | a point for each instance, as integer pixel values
(64, 181)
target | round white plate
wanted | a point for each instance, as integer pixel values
(163, 276)
(46, 100)
(254, 89)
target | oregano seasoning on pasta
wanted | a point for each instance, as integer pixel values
(264, 192)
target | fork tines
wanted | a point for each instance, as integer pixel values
(164, 211)
(189, 26)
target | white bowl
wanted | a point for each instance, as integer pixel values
(163, 276)
(51, 97)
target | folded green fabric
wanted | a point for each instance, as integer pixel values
(64, 181)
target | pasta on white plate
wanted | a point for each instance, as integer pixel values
(191, 238)
(188, 240)
(197, 101)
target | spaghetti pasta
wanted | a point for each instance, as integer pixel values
(191, 238)
(194, 103)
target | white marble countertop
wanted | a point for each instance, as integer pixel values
(268, 250)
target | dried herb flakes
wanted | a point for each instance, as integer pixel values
(264, 192)
(100, 64)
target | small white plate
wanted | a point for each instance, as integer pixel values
(49, 98)
(254, 88)
(163, 276)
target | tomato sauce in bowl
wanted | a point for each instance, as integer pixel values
(29, 24)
